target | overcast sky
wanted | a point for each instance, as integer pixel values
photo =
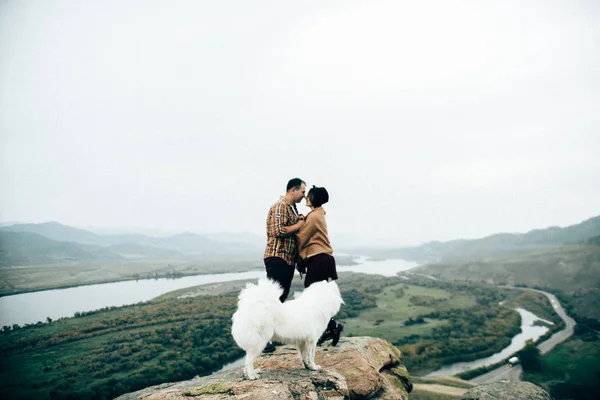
(425, 120)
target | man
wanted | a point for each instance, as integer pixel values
(283, 221)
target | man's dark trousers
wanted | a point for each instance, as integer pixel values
(281, 272)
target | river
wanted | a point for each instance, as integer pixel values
(29, 308)
(529, 331)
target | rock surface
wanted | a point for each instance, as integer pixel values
(357, 368)
(507, 391)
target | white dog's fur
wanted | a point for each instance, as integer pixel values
(261, 317)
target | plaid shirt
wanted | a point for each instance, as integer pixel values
(279, 243)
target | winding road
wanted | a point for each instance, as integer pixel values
(514, 374)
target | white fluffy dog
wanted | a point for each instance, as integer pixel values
(261, 317)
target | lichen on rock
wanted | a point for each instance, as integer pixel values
(213, 388)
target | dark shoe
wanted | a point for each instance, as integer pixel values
(407, 384)
(269, 348)
(325, 336)
(337, 331)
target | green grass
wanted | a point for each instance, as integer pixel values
(537, 303)
(444, 380)
(572, 269)
(575, 359)
(390, 331)
(419, 394)
(392, 311)
(114, 351)
(64, 275)
(435, 323)
(439, 387)
(42, 367)
(574, 366)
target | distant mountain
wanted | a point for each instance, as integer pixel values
(490, 246)
(134, 250)
(187, 243)
(25, 248)
(7, 223)
(570, 234)
(241, 238)
(55, 231)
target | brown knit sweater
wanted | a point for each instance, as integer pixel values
(312, 237)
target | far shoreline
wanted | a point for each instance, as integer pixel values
(346, 261)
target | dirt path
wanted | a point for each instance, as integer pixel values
(435, 388)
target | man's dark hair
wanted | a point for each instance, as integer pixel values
(294, 183)
(318, 196)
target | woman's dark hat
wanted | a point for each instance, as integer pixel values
(320, 195)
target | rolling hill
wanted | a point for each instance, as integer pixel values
(25, 248)
(148, 246)
(489, 247)
(574, 269)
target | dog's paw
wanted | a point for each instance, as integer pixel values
(314, 367)
(253, 376)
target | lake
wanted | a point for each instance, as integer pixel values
(29, 308)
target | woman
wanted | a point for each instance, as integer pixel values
(316, 252)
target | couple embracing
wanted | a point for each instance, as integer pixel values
(295, 241)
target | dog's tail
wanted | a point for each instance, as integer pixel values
(258, 312)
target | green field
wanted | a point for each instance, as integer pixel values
(439, 388)
(106, 353)
(33, 278)
(537, 303)
(572, 370)
(445, 381)
(571, 269)
(435, 323)
(387, 320)
(420, 393)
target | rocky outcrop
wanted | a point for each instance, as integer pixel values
(357, 368)
(507, 391)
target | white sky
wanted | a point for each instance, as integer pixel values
(425, 120)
